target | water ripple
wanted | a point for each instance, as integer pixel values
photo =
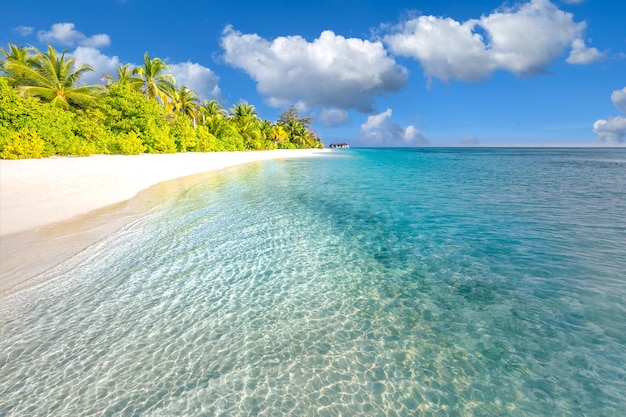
(483, 282)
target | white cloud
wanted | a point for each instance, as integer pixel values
(24, 30)
(611, 131)
(522, 40)
(445, 48)
(96, 41)
(376, 121)
(573, 1)
(198, 78)
(412, 136)
(65, 34)
(333, 117)
(618, 97)
(331, 71)
(581, 54)
(101, 63)
(379, 130)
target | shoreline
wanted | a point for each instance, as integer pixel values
(52, 209)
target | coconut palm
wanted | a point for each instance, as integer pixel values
(220, 127)
(212, 108)
(243, 110)
(15, 54)
(157, 82)
(250, 131)
(296, 130)
(184, 100)
(267, 130)
(53, 77)
(292, 113)
(125, 76)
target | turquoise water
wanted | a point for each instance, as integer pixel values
(410, 282)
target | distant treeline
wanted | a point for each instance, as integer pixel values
(44, 111)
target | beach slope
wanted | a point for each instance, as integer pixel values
(40, 192)
(51, 209)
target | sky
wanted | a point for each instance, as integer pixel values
(369, 73)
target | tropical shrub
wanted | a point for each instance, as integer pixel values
(126, 110)
(183, 133)
(206, 141)
(44, 111)
(20, 144)
(127, 144)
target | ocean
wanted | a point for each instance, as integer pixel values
(371, 282)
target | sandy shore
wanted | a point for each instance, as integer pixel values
(39, 192)
(53, 208)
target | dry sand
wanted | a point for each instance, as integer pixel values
(53, 208)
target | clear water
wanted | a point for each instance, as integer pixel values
(411, 282)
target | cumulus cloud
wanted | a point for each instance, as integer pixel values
(522, 40)
(101, 63)
(412, 136)
(612, 131)
(376, 121)
(378, 130)
(24, 30)
(333, 117)
(65, 34)
(444, 47)
(198, 78)
(618, 97)
(331, 71)
(580, 54)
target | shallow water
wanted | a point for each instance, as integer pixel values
(433, 282)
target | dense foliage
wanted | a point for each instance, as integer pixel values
(44, 111)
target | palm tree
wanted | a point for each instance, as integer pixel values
(186, 101)
(292, 113)
(243, 110)
(212, 108)
(157, 82)
(267, 130)
(19, 55)
(250, 131)
(52, 77)
(279, 135)
(297, 127)
(247, 123)
(296, 130)
(125, 76)
(221, 127)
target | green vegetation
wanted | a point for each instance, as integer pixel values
(44, 111)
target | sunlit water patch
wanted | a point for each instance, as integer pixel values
(373, 282)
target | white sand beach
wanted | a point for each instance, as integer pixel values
(40, 192)
(48, 207)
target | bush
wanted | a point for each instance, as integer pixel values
(90, 127)
(24, 143)
(52, 125)
(127, 144)
(127, 111)
(183, 133)
(205, 141)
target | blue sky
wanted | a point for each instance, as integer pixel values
(371, 73)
